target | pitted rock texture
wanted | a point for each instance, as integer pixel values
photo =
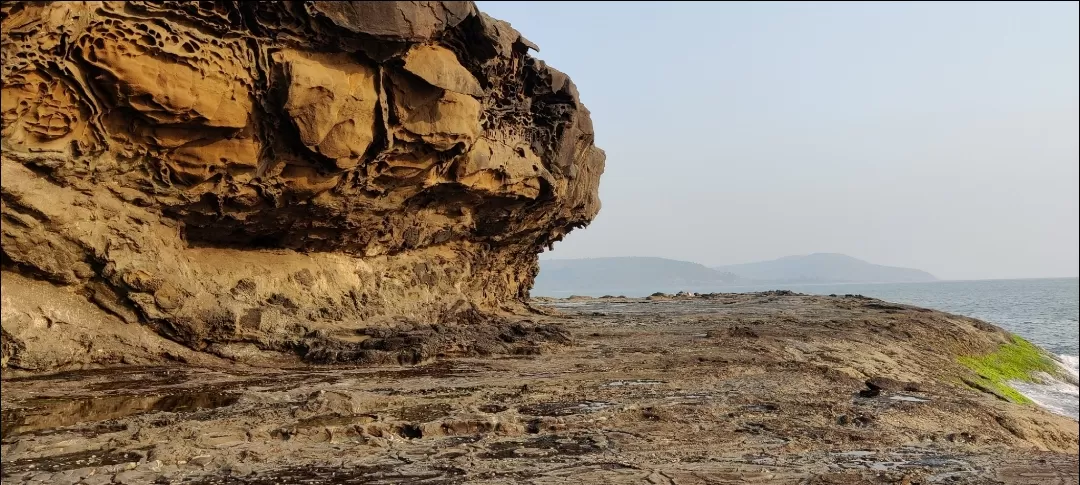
(279, 176)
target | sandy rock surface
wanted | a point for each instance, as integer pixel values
(754, 388)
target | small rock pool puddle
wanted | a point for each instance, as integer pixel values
(137, 391)
(51, 412)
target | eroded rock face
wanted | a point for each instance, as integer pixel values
(238, 173)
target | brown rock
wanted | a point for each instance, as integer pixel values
(159, 154)
(438, 117)
(440, 68)
(165, 77)
(407, 21)
(889, 384)
(331, 100)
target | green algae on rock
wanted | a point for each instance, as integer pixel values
(1018, 360)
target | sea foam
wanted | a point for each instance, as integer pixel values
(1056, 395)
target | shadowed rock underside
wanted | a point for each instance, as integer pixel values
(250, 177)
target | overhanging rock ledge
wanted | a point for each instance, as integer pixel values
(349, 181)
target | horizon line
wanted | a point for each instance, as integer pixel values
(937, 279)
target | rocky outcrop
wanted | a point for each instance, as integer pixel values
(245, 177)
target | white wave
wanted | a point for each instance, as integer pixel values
(1056, 395)
(1071, 363)
(1051, 398)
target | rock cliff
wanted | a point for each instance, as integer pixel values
(346, 181)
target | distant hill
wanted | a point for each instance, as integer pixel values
(641, 276)
(630, 275)
(824, 268)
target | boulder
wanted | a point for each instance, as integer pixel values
(283, 176)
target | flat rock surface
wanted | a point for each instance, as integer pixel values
(749, 388)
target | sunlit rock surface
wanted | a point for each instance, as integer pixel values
(245, 177)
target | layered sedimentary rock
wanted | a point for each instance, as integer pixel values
(250, 176)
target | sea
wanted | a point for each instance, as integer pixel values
(1044, 311)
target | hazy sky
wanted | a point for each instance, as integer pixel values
(932, 135)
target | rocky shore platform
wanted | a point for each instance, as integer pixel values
(726, 388)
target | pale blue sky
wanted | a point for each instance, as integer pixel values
(942, 136)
